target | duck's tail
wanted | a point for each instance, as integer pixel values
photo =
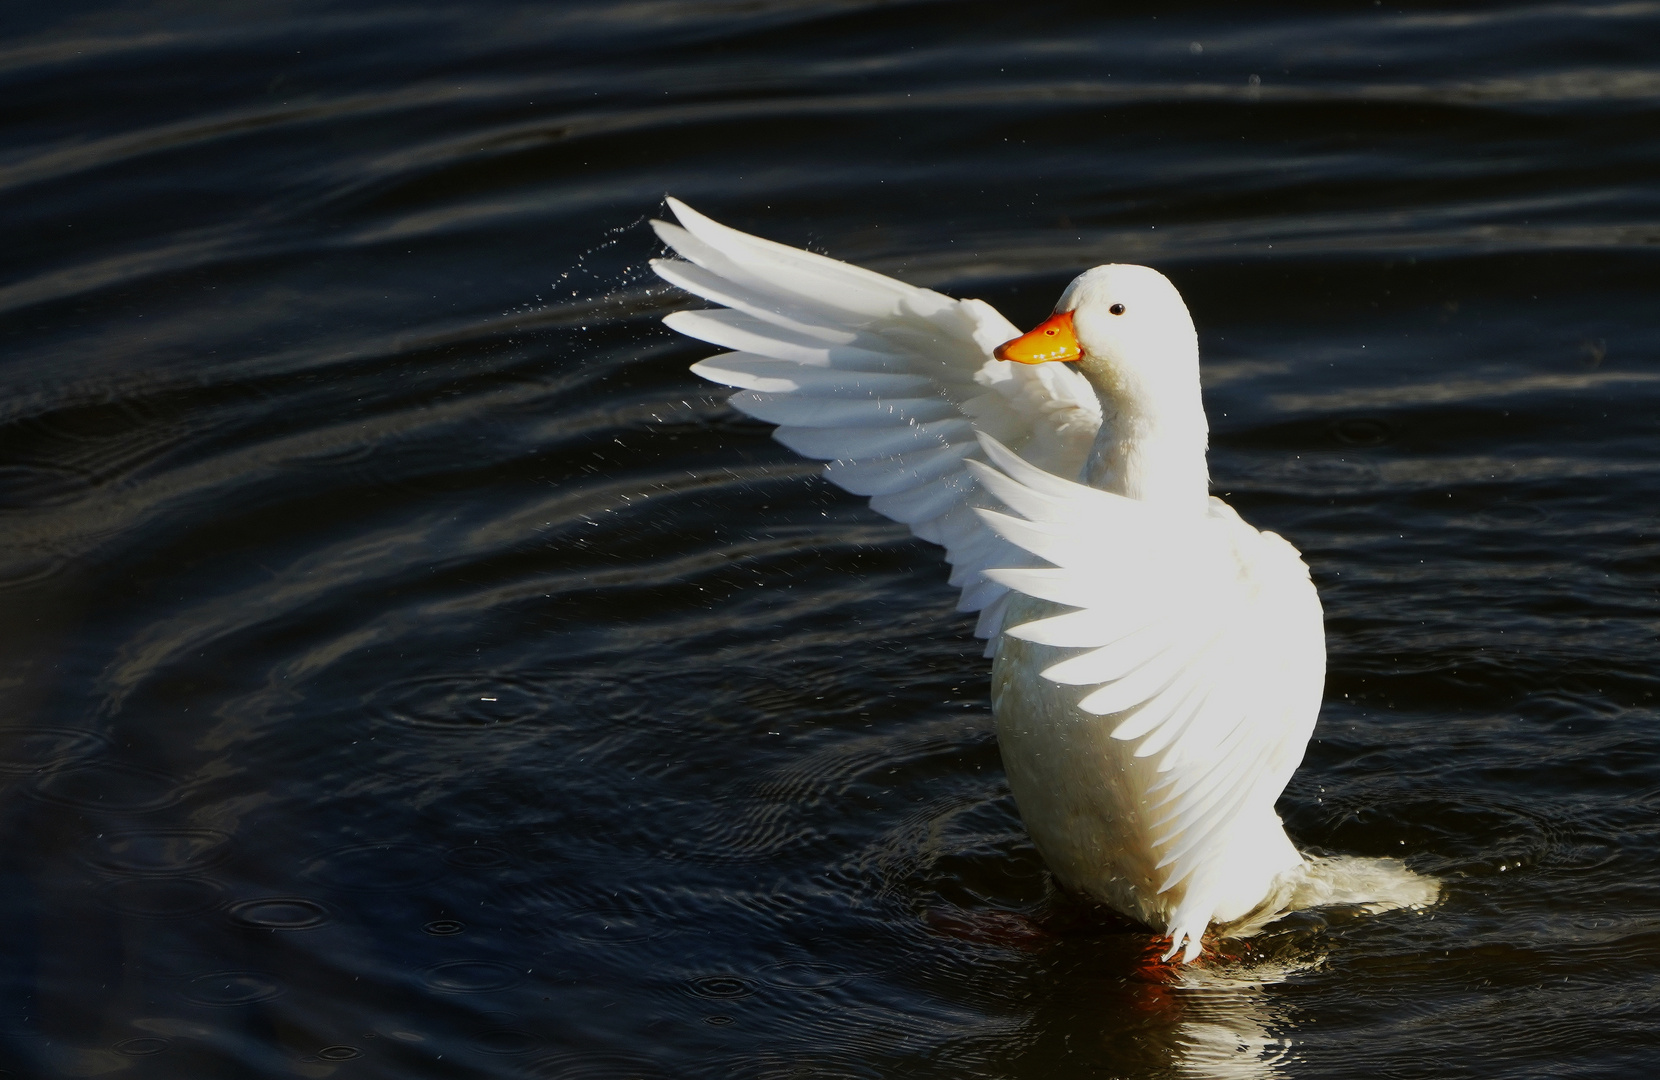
(1373, 884)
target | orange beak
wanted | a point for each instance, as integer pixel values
(1052, 339)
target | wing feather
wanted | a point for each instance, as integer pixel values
(887, 382)
(929, 502)
(1201, 636)
(744, 333)
(1200, 639)
(827, 443)
(803, 411)
(763, 373)
(900, 472)
(786, 313)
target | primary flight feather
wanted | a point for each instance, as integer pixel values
(1158, 663)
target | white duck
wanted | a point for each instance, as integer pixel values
(1156, 683)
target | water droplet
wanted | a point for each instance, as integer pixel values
(613, 925)
(462, 702)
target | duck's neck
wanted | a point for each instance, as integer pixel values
(1151, 446)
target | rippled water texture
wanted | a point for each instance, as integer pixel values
(410, 670)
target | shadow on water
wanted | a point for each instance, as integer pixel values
(409, 669)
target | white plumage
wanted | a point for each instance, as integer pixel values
(1159, 663)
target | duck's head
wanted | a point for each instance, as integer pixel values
(1126, 328)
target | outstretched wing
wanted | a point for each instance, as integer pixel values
(888, 382)
(1202, 637)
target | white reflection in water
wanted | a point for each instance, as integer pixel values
(1231, 1027)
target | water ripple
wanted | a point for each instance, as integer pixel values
(399, 633)
(279, 913)
(161, 851)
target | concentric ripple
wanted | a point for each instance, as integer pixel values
(279, 913)
(619, 922)
(721, 986)
(398, 634)
(26, 750)
(228, 989)
(471, 976)
(339, 1052)
(504, 1041)
(464, 702)
(109, 787)
(162, 898)
(162, 851)
(598, 1066)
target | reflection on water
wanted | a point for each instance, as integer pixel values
(1112, 1008)
(410, 669)
(1231, 1028)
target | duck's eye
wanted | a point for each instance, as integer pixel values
(1117, 309)
(1050, 332)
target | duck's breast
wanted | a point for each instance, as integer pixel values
(1082, 794)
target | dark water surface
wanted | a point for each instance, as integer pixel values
(410, 670)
